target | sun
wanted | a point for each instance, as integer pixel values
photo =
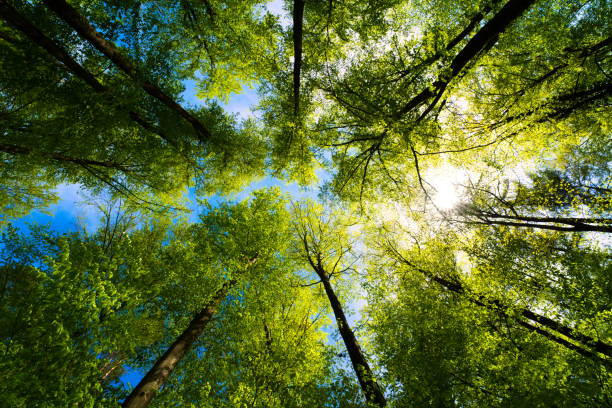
(444, 183)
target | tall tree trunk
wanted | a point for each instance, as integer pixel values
(72, 17)
(20, 150)
(368, 384)
(144, 392)
(12, 17)
(298, 22)
(573, 224)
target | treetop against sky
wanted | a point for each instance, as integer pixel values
(305, 203)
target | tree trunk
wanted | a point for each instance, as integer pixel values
(481, 41)
(144, 392)
(142, 395)
(20, 150)
(574, 224)
(12, 16)
(298, 20)
(488, 34)
(366, 379)
(82, 26)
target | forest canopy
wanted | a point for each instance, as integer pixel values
(457, 253)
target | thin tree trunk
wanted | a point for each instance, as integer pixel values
(144, 392)
(20, 150)
(576, 224)
(368, 384)
(488, 34)
(552, 337)
(576, 227)
(298, 21)
(72, 17)
(12, 17)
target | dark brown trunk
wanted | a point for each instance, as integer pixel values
(144, 392)
(552, 337)
(19, 150)
(366, 379)
(575, 227)
(12, 16)
(485, 215)
(487, 35)
(298, 20)
(82, 26)
(494, 304)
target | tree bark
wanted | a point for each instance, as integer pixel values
(12, 16)
(20, 150)
(575, 226)
(72, 17)
(488, 34)
(144, 392)
(298, 21)
(368, 384)
(481, 41)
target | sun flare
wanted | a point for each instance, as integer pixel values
(445, 182)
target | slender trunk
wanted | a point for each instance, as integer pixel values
(496, 305)
(557, 220)
(552, 337)
(366, 379)
(488, 34)
(474, 21)
(575, 226)
(144, 392)
(142, 395)
(298, 20)
(481, 41)
(72, 17)
(557, 107)
(20, 150)
(12, 16)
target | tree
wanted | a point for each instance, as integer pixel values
(575, 198)
(442, 346)
(243, 241)
(68, 302)
(324, 248)
(105, 131)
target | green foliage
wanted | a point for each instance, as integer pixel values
(389, 92)
(441, 349)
